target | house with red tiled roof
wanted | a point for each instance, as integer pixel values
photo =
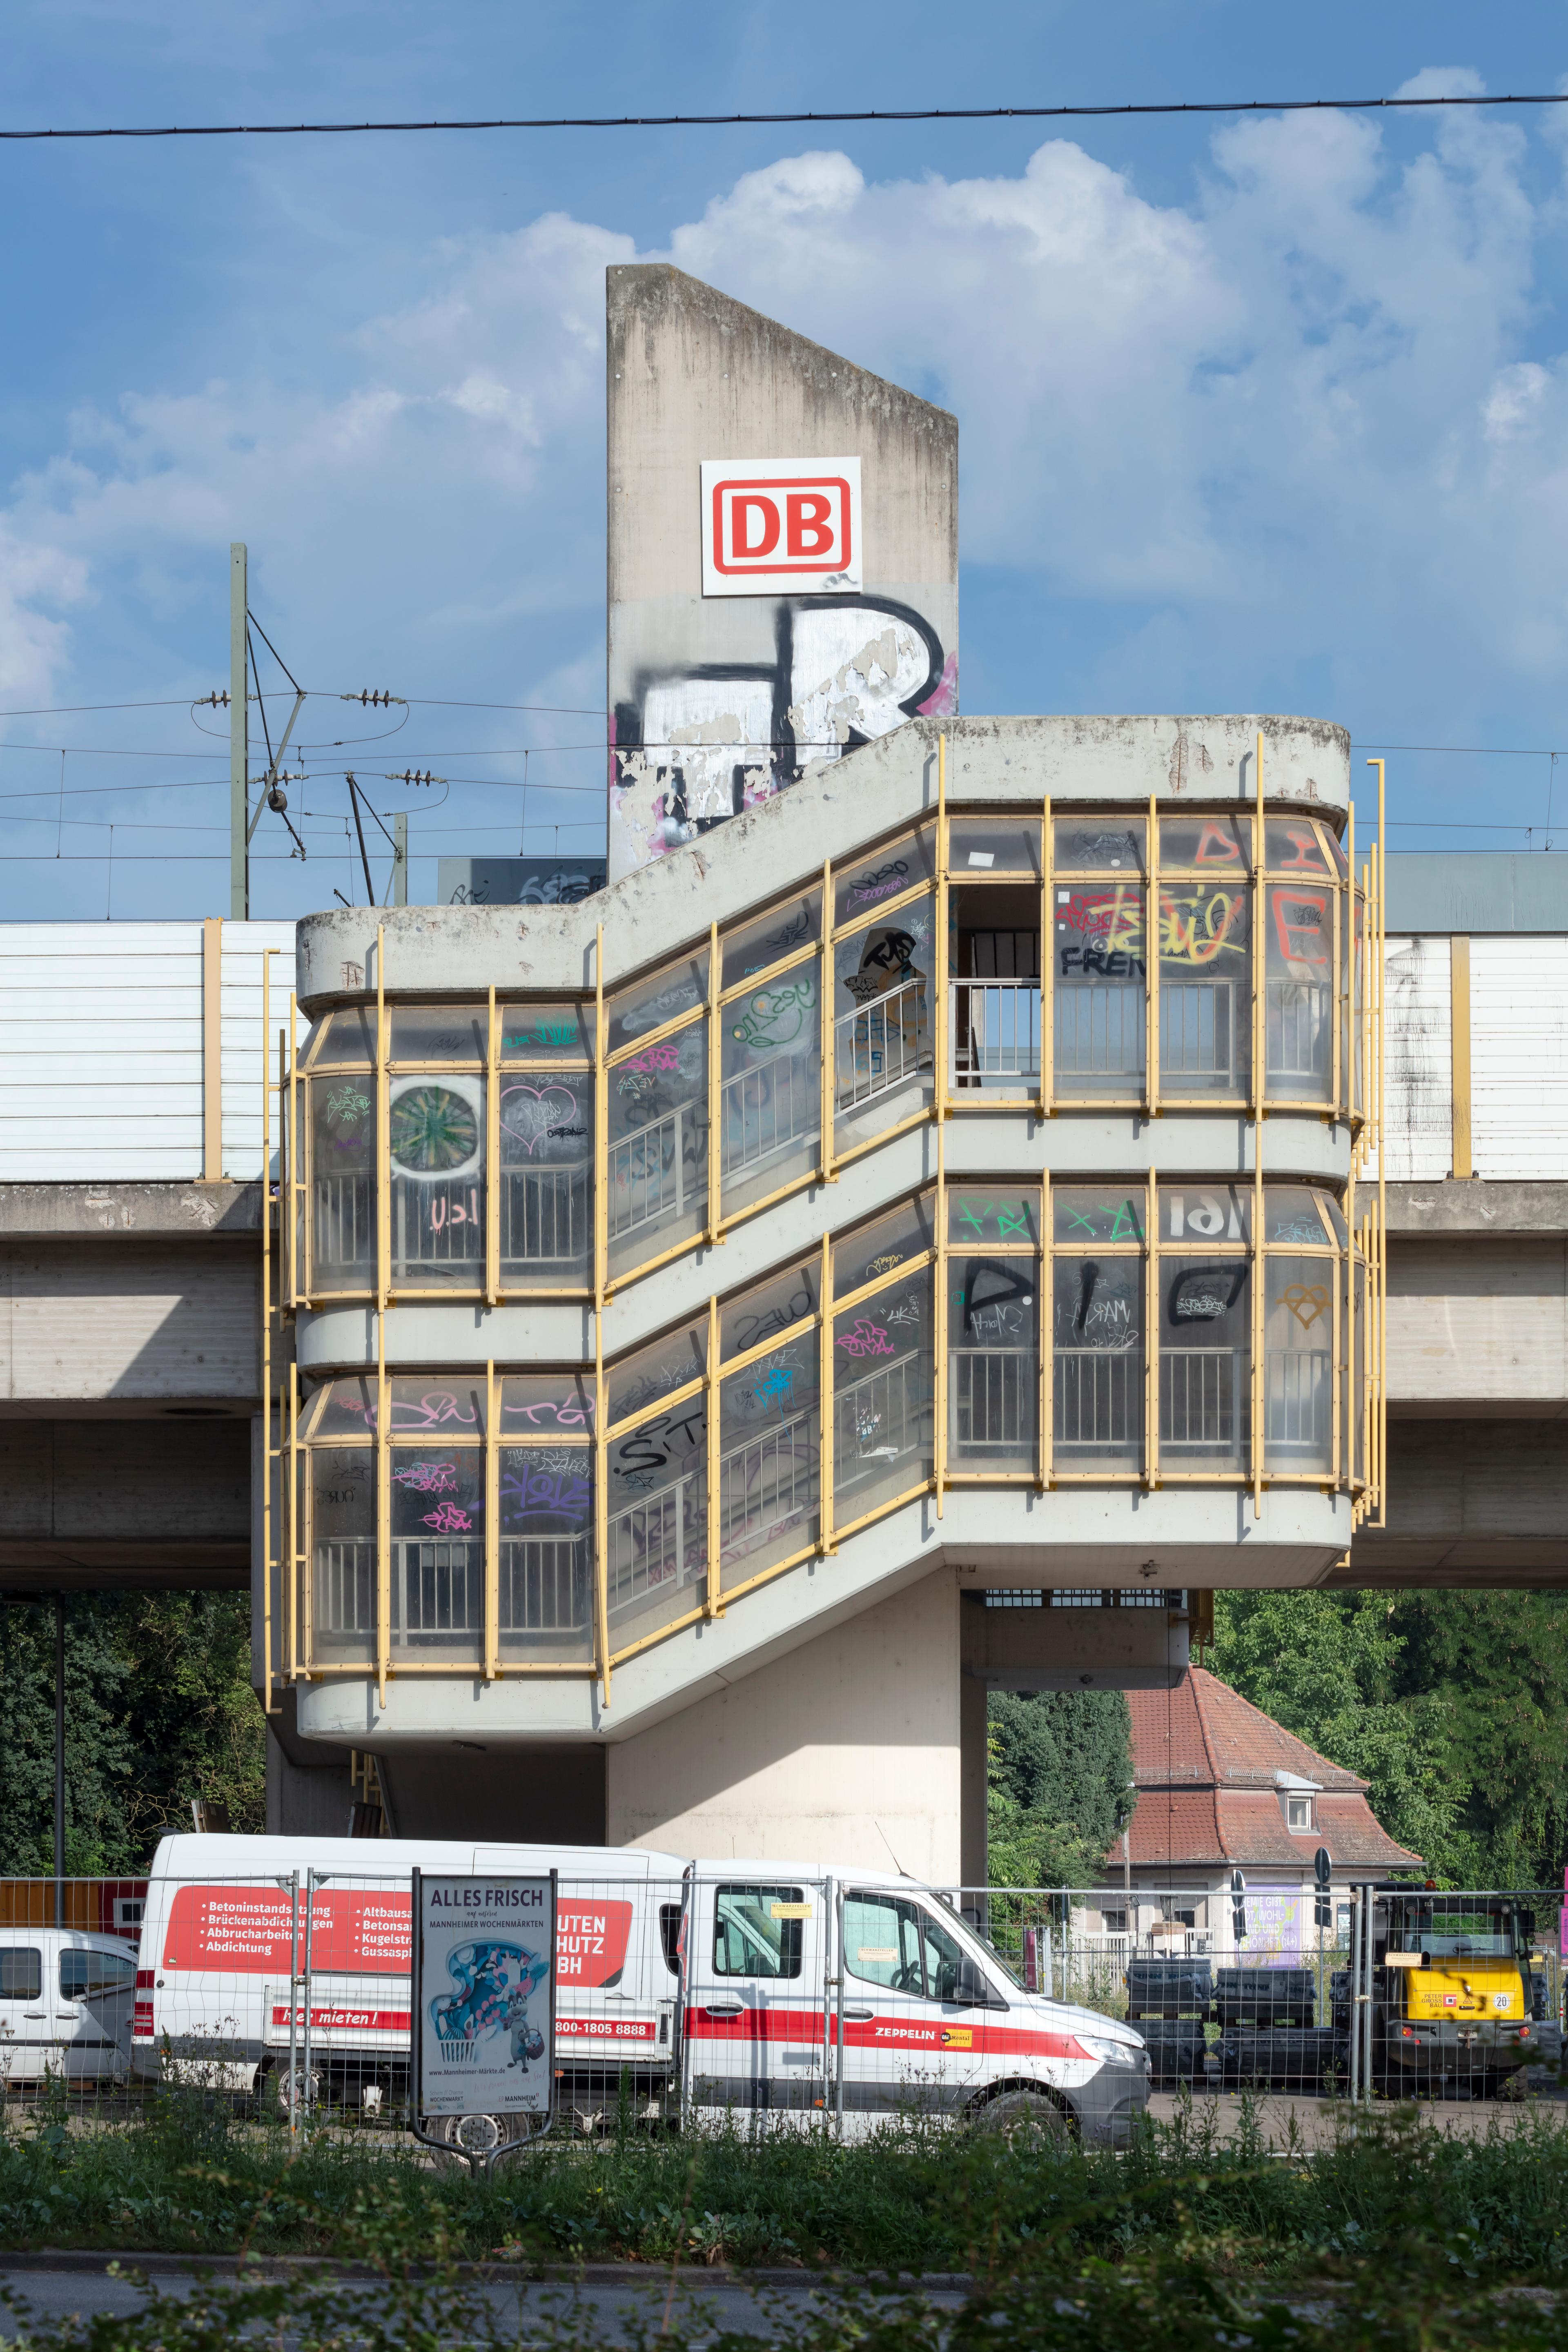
(1222, 1788)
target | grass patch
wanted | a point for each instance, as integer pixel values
(191, 2177)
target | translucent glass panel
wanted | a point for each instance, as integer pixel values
(1206, 987)
(1098, 1322)
(901, 865)
(770, 1097)
(755, 948)
(1298, 967)
(657, 1531)
(982, 1217)
(546, 1553)
(770, 1457)
(1098, 845)
(656, 1147)
(544, 1032)
(342, 1112)
(437, 1563)
(1205, 1358)
(438, 1033)
(883, 1244)
(437, 1164)
(1099, 982)
(993, 844)
(882, 996)
(546, 1209)
(992, 1362)
(883, 1395)
(341, 1599)
(1218, 846)
(1297, 1365)
(1097, 1214)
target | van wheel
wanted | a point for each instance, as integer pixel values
(1025, 2119)
(462, 2136)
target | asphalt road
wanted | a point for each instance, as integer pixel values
(57, 2293)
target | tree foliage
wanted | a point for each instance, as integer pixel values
(1453, 1705)
(1060, 1765)
(159, 1709)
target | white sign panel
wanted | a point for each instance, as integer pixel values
(781, 526)
(484, 1995)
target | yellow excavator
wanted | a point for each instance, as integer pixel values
(1460, 1996)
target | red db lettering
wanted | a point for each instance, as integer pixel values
(810, 522)
(741, 524)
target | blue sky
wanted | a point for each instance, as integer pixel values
(1264, 415)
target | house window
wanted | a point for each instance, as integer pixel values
(1299, 1812)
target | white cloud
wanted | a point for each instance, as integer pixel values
(1306, 413)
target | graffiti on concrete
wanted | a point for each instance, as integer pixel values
(701, 743)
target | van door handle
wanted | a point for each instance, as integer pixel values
(860, 2015)
(723, 2008)
(35, 2012)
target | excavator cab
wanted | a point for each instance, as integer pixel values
(1459, 2004)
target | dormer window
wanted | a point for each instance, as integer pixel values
(1298, 1813)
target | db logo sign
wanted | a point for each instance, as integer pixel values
(783, 526)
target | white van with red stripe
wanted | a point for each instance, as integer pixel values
(697, 1988)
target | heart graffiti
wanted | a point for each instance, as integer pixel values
(1306, 1304)
(529, 1113)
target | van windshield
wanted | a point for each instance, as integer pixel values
(999, 1960)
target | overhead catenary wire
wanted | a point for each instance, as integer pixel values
(784, 116)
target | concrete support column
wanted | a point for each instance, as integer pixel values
(845, 1751)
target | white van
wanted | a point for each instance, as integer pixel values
(65, 2006)
(685, 1987)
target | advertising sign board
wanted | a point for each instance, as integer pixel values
(781, 526)
(484, 1994)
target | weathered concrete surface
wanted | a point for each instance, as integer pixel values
(834, 811)
(720, 701)
(1474, 1502)
(1466, 1206)
(128, 1321)
(88, 1504)
(93, 1211)
(1478, 1326)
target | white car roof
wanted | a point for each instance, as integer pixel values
(219, 1855)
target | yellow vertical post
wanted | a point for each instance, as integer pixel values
(298, 1506)
(1152, 960)
(1047, 967)
(1260, 1406)
(1464, 1163)
(715, 1091)
(825, 1381)
(601, 1132)
(382, 1512)
(1259, 1081)
(1339, 970)
(266, 957)
(1259, 979)
(601, 1279)
(601, 1505)
(1380, 1400)
(714, 1600)
(943, 1050)
(383, 1136)
(492, 1523)
(825, 1026)
(1336, 1378)
(1152, 1329)
(212, 1047)
(940, 975)
(1352, 979)
(1047, 1326)
(492, 1158)
(291, 1157)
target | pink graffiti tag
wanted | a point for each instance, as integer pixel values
(658, 1057)
(866, 1340)
(449, 1520)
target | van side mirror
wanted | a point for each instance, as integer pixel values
(970, 1989)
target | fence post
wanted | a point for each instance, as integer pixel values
(293, 2004)
(309, 1922)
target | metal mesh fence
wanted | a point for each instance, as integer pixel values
(1366, 1990)
(836, 2003)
